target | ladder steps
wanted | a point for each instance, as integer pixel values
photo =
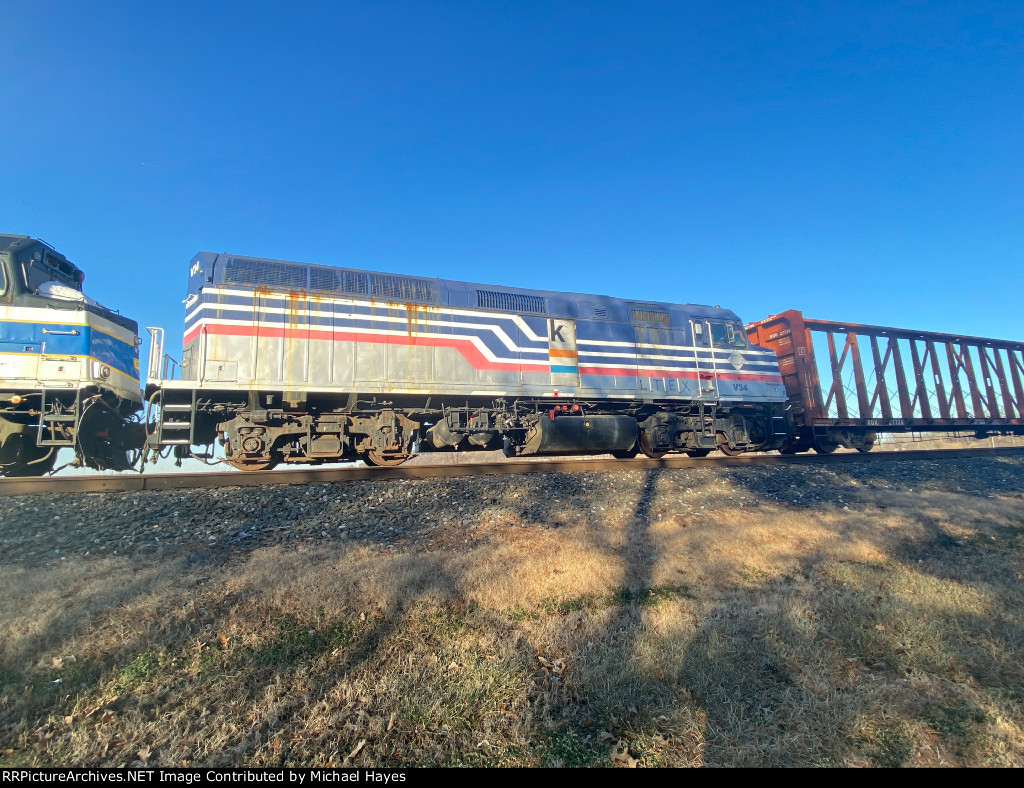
(174, 426)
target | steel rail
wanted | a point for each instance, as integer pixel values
(206, 480)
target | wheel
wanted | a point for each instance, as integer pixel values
(729, 451)
(27, 458)
(374, 457)
(28, 469)
(697, 452)
(242, 464)
(866, 447)
(825, 445)
(647, 449)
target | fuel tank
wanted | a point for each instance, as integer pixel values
(580, 434)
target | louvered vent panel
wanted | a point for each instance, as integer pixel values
(512, 302)
(352, 282)
(244, 271)
(650, 316)
(337, 281)
(403, 288)
(600, 313)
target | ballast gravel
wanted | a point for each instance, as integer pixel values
(216, 526)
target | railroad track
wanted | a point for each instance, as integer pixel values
(182, 481)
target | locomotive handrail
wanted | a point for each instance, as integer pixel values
(160, 363)
(156, 350)
(169, 364)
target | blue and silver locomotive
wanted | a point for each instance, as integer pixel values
(69, 368)
(290, 362)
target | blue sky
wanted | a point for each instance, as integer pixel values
(860, 162)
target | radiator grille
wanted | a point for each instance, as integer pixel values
(512, 302)
(243, 271)
(403, 288)
(650, 316)
(334, 280)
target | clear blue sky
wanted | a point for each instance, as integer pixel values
(861, 162)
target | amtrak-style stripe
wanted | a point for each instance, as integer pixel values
(476, 353)
(237, 305)
(495, 331)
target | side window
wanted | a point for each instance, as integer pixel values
(736, 335)
(718, 337)
(3, 281)
(727, 335)
(700, 336)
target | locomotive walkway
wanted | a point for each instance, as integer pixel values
(182, 481)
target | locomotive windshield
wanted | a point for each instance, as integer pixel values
(727, 335)
(40, 267)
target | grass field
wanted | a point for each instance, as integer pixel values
(640, 622)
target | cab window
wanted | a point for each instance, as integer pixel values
(39, 268)
(727, 335)
(3, 280)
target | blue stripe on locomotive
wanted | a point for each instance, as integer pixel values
(360, 316)
(58, 339)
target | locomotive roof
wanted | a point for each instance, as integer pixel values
(10, 243)
(288, 274)
(20, 243)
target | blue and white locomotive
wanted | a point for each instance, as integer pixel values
(291, 362)
(69, 368)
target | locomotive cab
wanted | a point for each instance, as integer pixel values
(68, 365)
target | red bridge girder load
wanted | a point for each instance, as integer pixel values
(877, 379)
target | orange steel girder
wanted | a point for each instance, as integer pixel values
(976, 382)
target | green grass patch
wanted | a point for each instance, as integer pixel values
(887, 744)
(137, 672)
(296, 641)
(572, 748)
(957, 723)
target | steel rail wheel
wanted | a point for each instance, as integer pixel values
(647, 449)
(825, 445)
(243, 464)
(374, 457)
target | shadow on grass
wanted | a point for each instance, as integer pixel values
(887, 662)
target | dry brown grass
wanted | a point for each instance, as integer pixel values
(671, 624)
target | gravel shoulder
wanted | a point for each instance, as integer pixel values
(219, 525)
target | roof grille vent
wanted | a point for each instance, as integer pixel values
(334, 280)
(403, 288)
(651, 316)
(246, 271)
(512, 302)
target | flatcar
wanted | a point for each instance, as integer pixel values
(69, 367)
(298, 363)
